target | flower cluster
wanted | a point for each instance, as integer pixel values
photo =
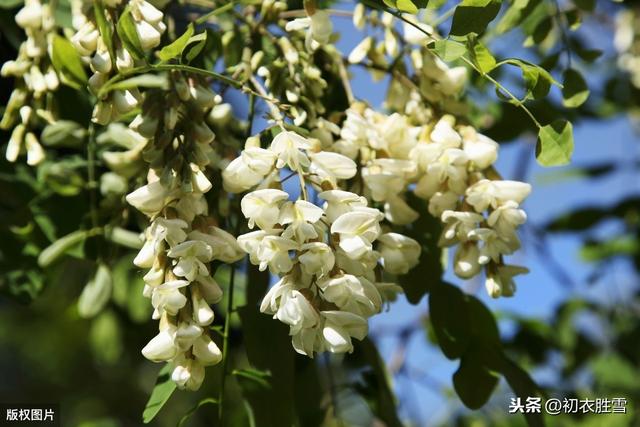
(450, 166)
(35, 77)
(149, 26)
(181, 239)
(329, 259)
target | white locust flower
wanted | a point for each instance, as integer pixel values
(357, 230)
(191, 257)
(169, 298)
(188, 373)
(299, 218)
(340, 202)
(399, 252)
(273, 252)
(262, 207)
(480, 150)
(287, 145)
(317, 258)
(332, 166)
(506, 218)
(339, 328)
(149, 199)
(457, 226)
(500, 282)
(465, 263)
(485, 193)
(319, 25)
(353, 294)
(360, 52)
(161, 347)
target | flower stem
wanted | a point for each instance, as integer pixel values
(225, 344)
(214, 12)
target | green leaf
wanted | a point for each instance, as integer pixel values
(428, 273)
(406, 6)
(161, 393)
(449, 317)
(185, 417)
(448, 50)
(96, 293)
(106, 32)
(537, 80)
(384, 401)
(555, 143)
(480, 55)
(523, 386)
(175, 49)
(63, 133)
(194, 46)
(473, 16)
(10, 4)
(67, 62)
(58, 248)
(258, 378)
(402, 5)
(126, 30)
(473, 381)
(574, 91)
(517, 11)
(617, 246)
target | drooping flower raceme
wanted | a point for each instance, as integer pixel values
(451, 167)
(28, 109)
(326, 255)
(181, 239)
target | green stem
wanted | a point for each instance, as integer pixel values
(214, 12)
(225, 343)
(91, 175)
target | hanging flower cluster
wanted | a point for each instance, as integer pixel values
(330, 273)
(451, 167)
(29, 106)
(181, 240)
(149, 28)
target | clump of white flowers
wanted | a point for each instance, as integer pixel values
(329, 259)
(35, 77)
(450, 166)
(181, 240)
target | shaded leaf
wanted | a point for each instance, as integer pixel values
(574, 91)
(473, 16)
(161, 393)
(63, 133)
(473, 381)
(67, 62)
(104, 26)
(126, 30)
